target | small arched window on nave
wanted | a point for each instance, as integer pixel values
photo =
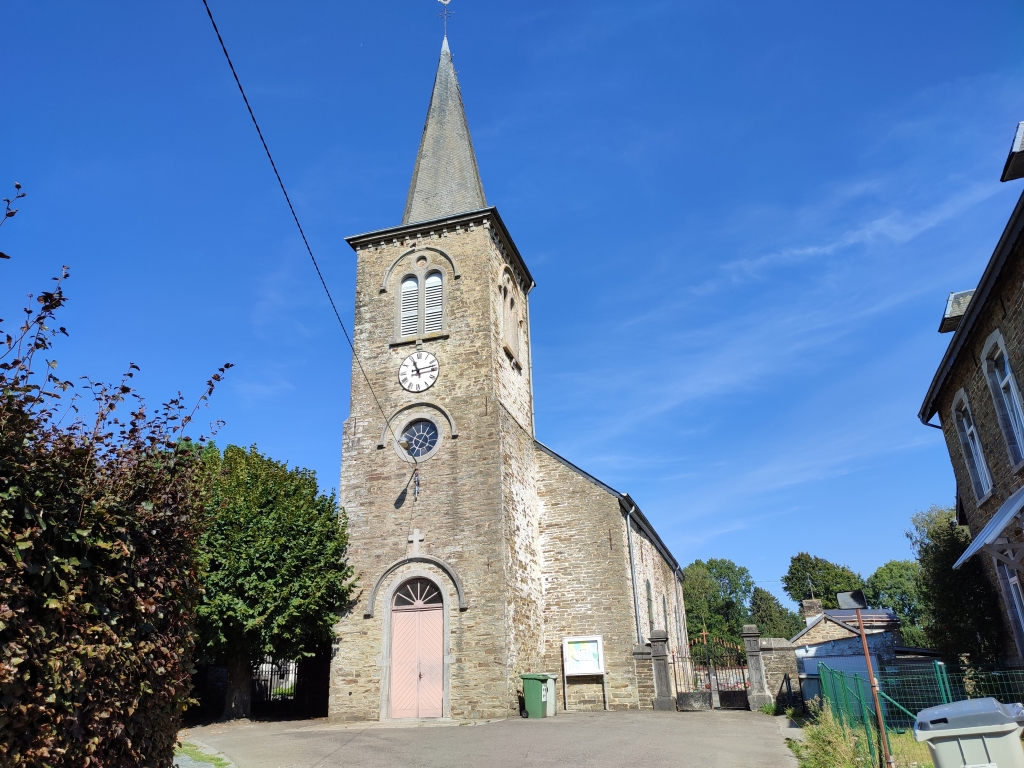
(650, 606)
(433, 321)
(410, 308)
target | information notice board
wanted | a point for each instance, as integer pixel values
(583, 656)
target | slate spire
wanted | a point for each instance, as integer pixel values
(446, 180)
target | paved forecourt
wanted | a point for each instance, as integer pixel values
(613, 739)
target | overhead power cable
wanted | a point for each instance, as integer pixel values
(295, 216)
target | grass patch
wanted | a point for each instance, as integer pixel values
(191, 750)
(825, 743)
(775, 710)
(908, 752)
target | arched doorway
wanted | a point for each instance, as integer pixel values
(417, 650)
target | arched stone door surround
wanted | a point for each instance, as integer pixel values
(388, 658)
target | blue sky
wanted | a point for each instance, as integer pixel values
(743, 218)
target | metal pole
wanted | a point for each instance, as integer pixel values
(632, 573)
(874, 692)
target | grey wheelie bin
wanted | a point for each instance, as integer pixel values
(975, 733)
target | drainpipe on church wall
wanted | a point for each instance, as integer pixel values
(632, 573)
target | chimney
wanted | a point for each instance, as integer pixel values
(811, 609)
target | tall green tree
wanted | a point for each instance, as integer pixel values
(960, 609)
(717, 594)
(772, 618)
(273, 567)
(815, 576)
(896, 585)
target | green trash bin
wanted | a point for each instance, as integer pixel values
(536, 687)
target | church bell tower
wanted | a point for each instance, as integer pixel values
(437, 477)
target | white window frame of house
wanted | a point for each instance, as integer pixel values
(1013, 595)
(971, 447)
(1006, 396)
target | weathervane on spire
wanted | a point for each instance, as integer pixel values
(444, 14)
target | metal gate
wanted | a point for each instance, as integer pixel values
(720, 668)
(274, 680)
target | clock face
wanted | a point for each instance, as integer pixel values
(418, 371)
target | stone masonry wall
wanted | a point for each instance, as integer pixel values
(651, 566)
(823, 631)
(512, 377)
(586, 581)
(1003, 310)
(524, 597)
(645, 688)
(778, 658)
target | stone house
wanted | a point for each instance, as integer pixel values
(832, 637)
(976, 397)
(478, 549)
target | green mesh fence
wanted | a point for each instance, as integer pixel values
(903, 695)
(849, 698)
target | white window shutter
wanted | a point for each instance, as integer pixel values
(410, 313)
(434, 303)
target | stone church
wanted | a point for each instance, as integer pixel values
(478, 549)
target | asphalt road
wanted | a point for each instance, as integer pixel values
(600, 739)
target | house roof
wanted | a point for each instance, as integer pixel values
(1010, 235)
(870, 615)
(816, 621)
(874, 618)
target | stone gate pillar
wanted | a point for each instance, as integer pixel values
(663, 692)
(757, 694)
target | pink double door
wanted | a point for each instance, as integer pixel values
(417, 653)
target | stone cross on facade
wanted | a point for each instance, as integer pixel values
(415, 538)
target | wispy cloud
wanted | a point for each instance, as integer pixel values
(895, 227)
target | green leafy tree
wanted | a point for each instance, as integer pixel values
(960, 609)
(272, 566)
(772, 618)
(896, 585)
(815, 576)
(717, 594)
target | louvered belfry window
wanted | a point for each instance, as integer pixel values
(410, 320)
(433, 303)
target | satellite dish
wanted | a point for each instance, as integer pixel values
(853, 599)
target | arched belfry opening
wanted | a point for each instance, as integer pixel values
(417, 650)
